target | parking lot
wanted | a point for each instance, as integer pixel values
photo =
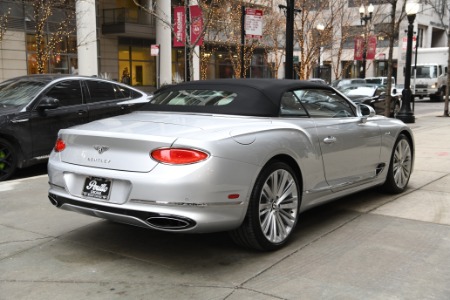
(366, 246)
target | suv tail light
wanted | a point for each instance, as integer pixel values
(59, 145)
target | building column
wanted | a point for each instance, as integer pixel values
(164, 39)
(87, 38)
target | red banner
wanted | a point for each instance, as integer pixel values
(371, 47)
(196, 24)
(370, 50)
(179, 27)
(359, 48)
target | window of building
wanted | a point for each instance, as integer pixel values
(220, 63)
(61, 59)
(136, 66)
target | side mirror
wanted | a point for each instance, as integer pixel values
(48, 103)
(364, 111)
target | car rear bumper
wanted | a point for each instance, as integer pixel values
(157, 200)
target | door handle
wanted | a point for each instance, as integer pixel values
(329, 140)
(82, 112)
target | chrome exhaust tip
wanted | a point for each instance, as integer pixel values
(168, 222)
(53, 201)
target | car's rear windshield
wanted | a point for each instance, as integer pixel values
(213, 99)
(18, 93)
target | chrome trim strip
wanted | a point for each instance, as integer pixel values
(187, 204)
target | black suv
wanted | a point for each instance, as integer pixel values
(34, 108)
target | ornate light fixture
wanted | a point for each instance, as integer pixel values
(406, 114)
(365, 18)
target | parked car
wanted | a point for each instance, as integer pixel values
(347, 81)
(373, 95)
(380, 80)
(318, 80)
(240, 155)
(33, 109)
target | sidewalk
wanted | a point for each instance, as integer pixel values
(366, 246)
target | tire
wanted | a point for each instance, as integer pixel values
(400, 167)
(8, 160)
(273, 209)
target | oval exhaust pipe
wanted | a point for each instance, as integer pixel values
(53, 201)
(170, 222)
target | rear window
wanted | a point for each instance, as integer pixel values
(215, 97)
(194, 98)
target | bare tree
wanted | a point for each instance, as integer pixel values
(3, 23)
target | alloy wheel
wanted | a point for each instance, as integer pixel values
(278, 206)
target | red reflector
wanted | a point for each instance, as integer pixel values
(178, 156)
(233, 196)
(59, 145)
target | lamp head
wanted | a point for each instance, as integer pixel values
(412, 7)
(362, 10)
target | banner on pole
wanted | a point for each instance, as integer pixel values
(360, 47)
(179, 27)
(196, 24)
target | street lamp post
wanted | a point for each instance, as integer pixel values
(365, 19)
(320, 27)
(290, 12)
(406, 114)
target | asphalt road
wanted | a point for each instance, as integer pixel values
(366, 246)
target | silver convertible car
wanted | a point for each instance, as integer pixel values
(240, 155)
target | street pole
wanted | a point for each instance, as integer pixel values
(289, 11)
(289, 68)
(406, 114)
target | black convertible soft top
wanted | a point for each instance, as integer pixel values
(255, 97)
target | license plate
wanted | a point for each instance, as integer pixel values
(97, 188)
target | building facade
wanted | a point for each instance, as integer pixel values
(125, 32)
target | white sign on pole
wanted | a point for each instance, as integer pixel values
(154, 50)
(253, 23)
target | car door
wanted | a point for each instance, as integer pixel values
(45, 123)
(350, 149)
(105, 99)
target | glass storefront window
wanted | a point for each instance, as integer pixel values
(216, 63)
(124, 52)
(61, 61)
(136, 66)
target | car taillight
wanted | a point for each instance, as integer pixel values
(59, 145)
(178, 156)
